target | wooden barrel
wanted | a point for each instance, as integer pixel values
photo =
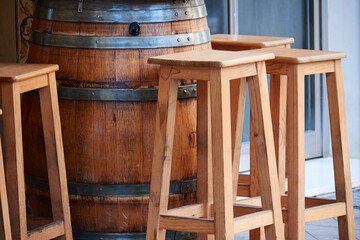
(107, 97)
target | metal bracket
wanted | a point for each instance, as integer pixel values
(188, 186)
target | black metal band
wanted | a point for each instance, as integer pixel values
(120, 12)
(170, 235)
(118, 95)
(112, 190)
(134, 42)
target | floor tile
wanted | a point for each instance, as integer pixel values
(242, 235)
(308, 236)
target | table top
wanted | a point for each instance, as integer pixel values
(22, 71)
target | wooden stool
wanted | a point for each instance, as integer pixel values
(248, 185)
(296, 63)
(214, 70)
(4, 198)
(16, 79)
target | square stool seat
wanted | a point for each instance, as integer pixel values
(293, 55)
(211, 58)
(18, 72)
(244, 42)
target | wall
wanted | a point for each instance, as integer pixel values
(7, 30)
(344, 35)
(7, 48)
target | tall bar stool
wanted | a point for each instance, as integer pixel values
(16, 79)
(4, 198)
(296, 63)
(215, 212)
(248, 185)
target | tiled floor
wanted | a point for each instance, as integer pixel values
(325, 229)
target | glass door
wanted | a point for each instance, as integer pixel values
(274, 18)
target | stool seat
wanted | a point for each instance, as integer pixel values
(250, 41)
(293, 55)
(17, 72)
(210, 58)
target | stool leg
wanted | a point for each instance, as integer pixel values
(265, 151)
(13, 154)
(238, 100)
(259, 233)
(278, 91)
(4, 199)
(162, 156)
(340, 150)
(295, 153)
(55, 155)
(221, 153)
(204, 156)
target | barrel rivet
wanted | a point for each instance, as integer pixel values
(186, 12)
(188, 38)
(176, 14)
(92, 93)
(100, 189)
(194, 90)
(185, 91)
(178, 39)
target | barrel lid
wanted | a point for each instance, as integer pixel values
(120, 10)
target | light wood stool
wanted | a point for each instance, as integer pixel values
(215, 212)
(248, 185)
(296, 63)
(16, 79)
(4, 198)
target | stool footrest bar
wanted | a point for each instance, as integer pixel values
(325, 212)
(243, 190)
(194, 210)
(49, 231)
(186, 224)
(255, 201)
(242, 209)
(244, 178)
(253, 221)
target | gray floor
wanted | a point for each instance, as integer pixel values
(325, 229)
